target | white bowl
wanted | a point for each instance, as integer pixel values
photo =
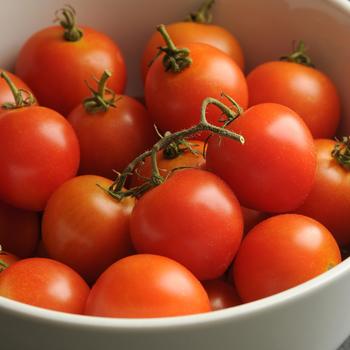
(314, 315)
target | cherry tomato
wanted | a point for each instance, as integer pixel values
(85, 228)
(274, 170)
(6, 259)
(142, 286)
(170, 159)
(282, 252)
(35, 162)
(19, 230)
(221, 294)
(306, 90)
(193, 218)
(44, 283)
(329, 200)
(110, 140)
(191, 32)
(174, 99)
(56, 66)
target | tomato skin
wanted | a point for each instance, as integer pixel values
(19, 230)
(193, 218)
(191, 32)
(57, 69)
(329, 200)
(44, 283)
(185, 159)
(307, 91)
(33, 164)
(251, 218)
(274, 170)
(174, 99)
(7, 258)
(282, 252)
(85, 228)
(221, 294)
(170, 290)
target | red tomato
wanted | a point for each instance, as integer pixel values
(168, 161)
(251, 218)
(110, 140)
(144, 285)
(191, 32)
(44, 283)
(85, 228)
(306, 90)
(221, 294)
(19, 230)
(193, 218)
(6, 259)
(282, 252)
(56, 69)
(329, 200)
(174, 99)
(274, 170)
(35, 162)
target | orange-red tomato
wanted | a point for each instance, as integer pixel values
(44, 283)
(142, 286)
(185, 33)
(282, 252)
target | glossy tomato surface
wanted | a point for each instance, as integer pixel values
(274, 170)
(145, 286)
(282, 252)
(193, 218)
(40, 151)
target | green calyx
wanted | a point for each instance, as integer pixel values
(341, 152)
(299, 56)
(66, 17)
(203, 14)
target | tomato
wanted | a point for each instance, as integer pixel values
(175, 157)
(174, 99)
(329, 200)
(251, 218)
(142, 286)
(282, 252)
(193, 218)
(35, 162)
(221, 294)
(44, 283)
(19, 230)
(56, 68)
(6, 259)
(304, 89)
(191, 32)
(85, 228)
(110, 140)
(274, 170)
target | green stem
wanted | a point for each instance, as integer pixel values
(203, 14)
(116, 190)
(66, 16)
(299, 55)
(341, 152)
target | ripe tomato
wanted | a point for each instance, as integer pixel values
(174, 99)
(6, 259)
(171, 159)
(19, 230)
(144, 285)
(56, 68)
(85, 228)
(110, 140)
(191, 32)
(221, 294)
(304, 89)
(35, 162)
(193, 218)
(274, 170)
(44, 283)
(329, 200)
(251, 218)
(282, 252)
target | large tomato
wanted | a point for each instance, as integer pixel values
(274, 170)
(329, 200)
(45, 283)
(193, 218)
(85, 228)
(146, 285)
(282, 252)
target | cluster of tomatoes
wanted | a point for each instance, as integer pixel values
(97, 217)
